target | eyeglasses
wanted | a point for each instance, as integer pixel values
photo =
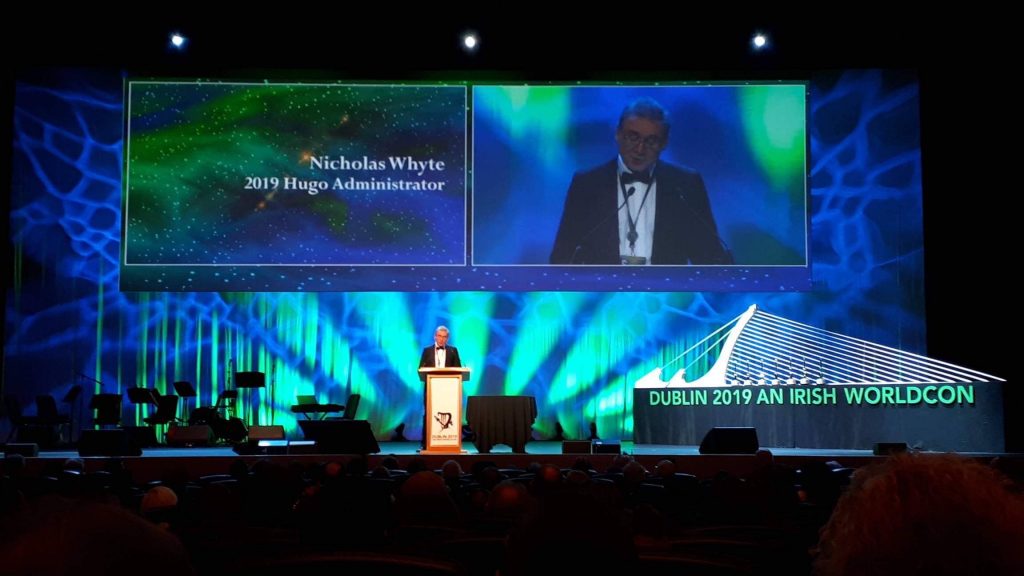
(632, 138)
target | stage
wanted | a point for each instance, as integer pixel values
(156, 461)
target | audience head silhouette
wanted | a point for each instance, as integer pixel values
(928, 515)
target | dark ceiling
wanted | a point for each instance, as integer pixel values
(401, 42)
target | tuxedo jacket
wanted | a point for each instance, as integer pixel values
(451, 357)
(684, 228)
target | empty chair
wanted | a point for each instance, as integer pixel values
(73, 393)
(70, 399)
(107, 409)
(46, 409)
(47, 415)
(351, 406)
(18, 420)
(166, 411)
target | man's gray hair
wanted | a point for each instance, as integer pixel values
(648, 108)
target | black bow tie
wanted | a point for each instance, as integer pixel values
(634, 177)
(439, 348)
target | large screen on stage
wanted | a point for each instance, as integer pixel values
(356, 187)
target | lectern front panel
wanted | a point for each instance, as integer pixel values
(444, 412)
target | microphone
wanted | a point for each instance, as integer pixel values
(627, 193)
(87, 377)
(710, 228)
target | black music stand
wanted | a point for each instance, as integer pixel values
(248, 381)
(71, 399)
(185, 390)
(139, 396)
(226, 401)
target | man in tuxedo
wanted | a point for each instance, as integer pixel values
(636, 210)
(439, 354)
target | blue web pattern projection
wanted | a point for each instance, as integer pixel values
(577, 353)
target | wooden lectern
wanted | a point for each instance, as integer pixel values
(444, 410)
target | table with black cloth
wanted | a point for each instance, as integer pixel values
(501, 420)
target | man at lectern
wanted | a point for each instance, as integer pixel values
(439, 354)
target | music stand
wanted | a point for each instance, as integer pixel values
(248, 381)
(185, 390)
(71, 399)
(139, 396)
(226, 402)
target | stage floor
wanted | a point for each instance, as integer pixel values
(155, 462)
(538, 448)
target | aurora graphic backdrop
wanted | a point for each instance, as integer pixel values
(576, 352)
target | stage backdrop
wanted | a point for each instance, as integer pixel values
(576, 352)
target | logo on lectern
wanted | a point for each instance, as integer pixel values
(444, 419)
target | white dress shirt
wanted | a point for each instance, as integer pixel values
(642, 212)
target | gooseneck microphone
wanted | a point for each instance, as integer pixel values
(701, 218)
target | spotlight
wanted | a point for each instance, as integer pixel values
(759, 41)
(178, 41)
(470, 42)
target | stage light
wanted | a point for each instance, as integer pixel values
(759, 41)
(178, 41)
(470, 42)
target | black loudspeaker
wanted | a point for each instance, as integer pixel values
(196, 435)
(45, 436)
(107, 443)
(266, 433)
(888, 448)
(27, 450)
(576, 447)
(340, 436)
(142, 436)
(730, 441)
(601, 447)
